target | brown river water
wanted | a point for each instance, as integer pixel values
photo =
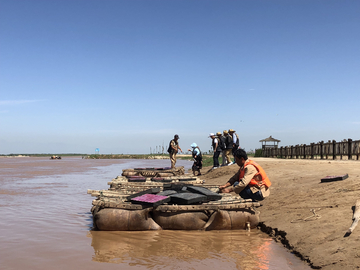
(46, 224)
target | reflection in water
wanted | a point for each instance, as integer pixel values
(152, 249)
(262, 253)
(46, 218)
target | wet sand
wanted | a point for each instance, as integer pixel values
(46, 224)
(310, 218)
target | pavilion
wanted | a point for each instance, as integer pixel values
(274, 143)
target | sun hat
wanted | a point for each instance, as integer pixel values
(231, 130)
(218, 134)
(226, 132)
(211, 134)
(193, 145)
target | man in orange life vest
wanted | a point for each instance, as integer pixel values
(250, 182)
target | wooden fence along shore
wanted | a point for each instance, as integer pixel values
(346, 149)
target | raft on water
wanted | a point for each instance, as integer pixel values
(169, 203)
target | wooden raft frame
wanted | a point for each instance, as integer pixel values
(178, 208)
(154, 172)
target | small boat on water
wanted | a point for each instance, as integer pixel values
(161, 198)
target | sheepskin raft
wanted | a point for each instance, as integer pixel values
(113, 216)
(169, 203)
(112, 212)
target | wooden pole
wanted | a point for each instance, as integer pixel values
(312, 150)
(334, 149)
(321, 150)
(356, 217)
(349, 149)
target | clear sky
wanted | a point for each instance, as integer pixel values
(124, 76)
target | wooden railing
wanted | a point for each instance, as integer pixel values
(347, 149)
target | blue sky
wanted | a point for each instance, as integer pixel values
(124, 76)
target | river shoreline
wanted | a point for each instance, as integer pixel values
(308, 217)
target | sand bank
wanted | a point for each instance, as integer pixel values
(309, 217)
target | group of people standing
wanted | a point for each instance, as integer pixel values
(224, 143)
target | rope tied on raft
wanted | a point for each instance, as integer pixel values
(101, 196)
(315, 216)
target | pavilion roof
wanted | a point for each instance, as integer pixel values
(270, 139)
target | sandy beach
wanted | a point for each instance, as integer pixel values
(307, 216)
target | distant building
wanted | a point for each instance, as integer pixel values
(270, 142)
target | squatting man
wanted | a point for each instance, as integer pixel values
(250, 182)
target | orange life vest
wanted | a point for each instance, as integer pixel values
(259, 179)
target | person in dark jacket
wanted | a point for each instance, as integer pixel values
(217, 150)
(197, 156)
(222, 146)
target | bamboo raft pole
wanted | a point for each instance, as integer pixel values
(177, 208)
(127, 190)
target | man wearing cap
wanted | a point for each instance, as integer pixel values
(174, 147)
(236, 142)
(228, 146)
(217, 150)
(250, 182)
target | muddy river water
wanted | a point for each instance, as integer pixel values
(46, 224)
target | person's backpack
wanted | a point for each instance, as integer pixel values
(229, 141)
(222, 142)
(199, 157)
(170, 148)
(237, 140)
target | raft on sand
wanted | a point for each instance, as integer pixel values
(146, 199)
